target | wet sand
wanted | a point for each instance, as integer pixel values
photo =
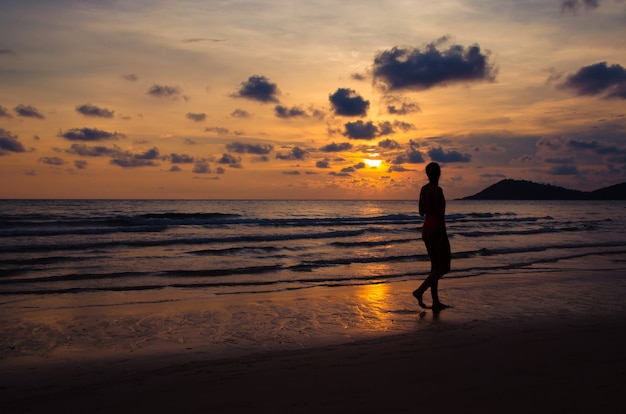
(551, 340)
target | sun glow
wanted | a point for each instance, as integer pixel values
(373, 163)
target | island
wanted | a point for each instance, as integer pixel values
(509, 189)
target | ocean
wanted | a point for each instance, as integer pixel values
(74, 247)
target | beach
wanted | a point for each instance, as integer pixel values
(550, 339)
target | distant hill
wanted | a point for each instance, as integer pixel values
(527, 190)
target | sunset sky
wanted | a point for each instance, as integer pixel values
(321, 99)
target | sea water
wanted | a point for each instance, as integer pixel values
(74, 247)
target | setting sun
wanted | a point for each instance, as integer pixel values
(373, 163)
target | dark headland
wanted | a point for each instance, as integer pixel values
(527, 190)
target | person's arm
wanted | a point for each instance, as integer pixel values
(422, 201)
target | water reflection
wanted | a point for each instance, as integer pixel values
(374, 304)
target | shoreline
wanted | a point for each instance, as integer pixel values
(551, 340)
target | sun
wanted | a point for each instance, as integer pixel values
(372, 163)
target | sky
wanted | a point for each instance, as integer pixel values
(326, 99)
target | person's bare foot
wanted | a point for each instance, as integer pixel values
(419, 296)
(439, 306)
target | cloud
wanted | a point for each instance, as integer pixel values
(240, 113)
(80, 164)
(389, 144)
(412, 156)
(404, 109)
(94, 151)
(92, 110)
(89, 134)
(128, 160)
(416, 69)
(28, 111)
(293, 112)
(296, 153)
(243, 148)
(360, 130)
(4, 113)
(9, 143)
(344, 146)
(325, 163)
(573, 6)
(217, 130)
(258, 88)
(165, 91)
(56, 161)
(597, 79)
(230, 160)
(196, 117)
(131, 77)
(347, 102)
(294, 172)
(7, 52)
(180, 158)
(564, 170)
(369, 130)
(201, 167)
(439, 155)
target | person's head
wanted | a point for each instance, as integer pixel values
(433, 172)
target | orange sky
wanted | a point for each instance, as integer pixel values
(322, 99)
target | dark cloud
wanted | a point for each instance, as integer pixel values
(340, 174)
(258, 88)
(347, 102)
(164, 91)
(564, 170)
(389, 144)
(439, 155)
(95, 151)
(560, 160)
(8, 52)
(360, 130)
(95, 111)
(56, 161)
(180, 158)
(28, 111)
(131, 77)
(4, 112)
(128, 160)
(240, 113)
(175, 168)
(243, 148)
(294, 172)
(80, 164)
(598, 79)
(573, 6)
(217, 130)
(417, 69)
(397, 168)
(201, 167)
(325, 163)
(230, 160)
(89, 134)
(9, 143)
(344, 146)
(296, 153)
(412, 156)
(293, 112)
(404, 109)
(196, 117)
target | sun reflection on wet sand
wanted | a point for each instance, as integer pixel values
(374, 305)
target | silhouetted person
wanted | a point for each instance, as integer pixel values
(432, 204)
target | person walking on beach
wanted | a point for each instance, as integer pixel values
(432, 204)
